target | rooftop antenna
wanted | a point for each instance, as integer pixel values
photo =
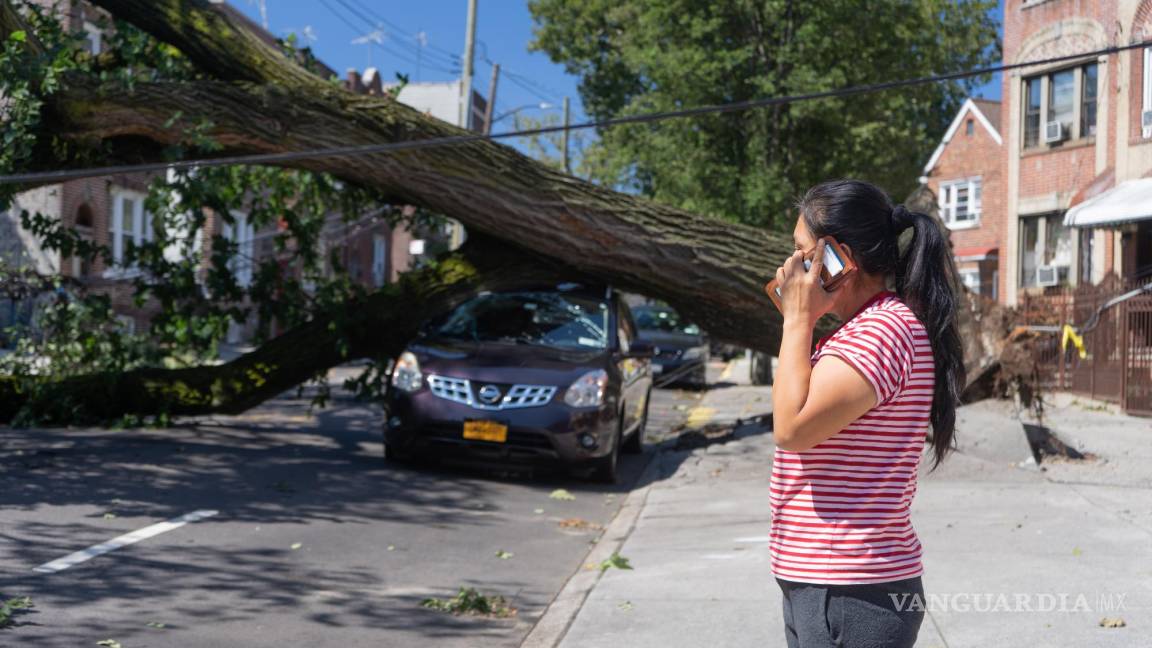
(421, 42)
(375, 36)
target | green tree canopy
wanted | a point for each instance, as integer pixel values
(637, 56)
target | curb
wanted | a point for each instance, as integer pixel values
(553, 625)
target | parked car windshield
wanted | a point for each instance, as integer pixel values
(664, 320)
(528, 317)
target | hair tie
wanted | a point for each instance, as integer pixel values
(902, 219)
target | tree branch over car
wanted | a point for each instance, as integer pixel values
(188, 81)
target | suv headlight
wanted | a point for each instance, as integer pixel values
(406, 373)
(588, 390)
(693, 353)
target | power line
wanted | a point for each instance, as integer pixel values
(517, 80)
(48, 177)
(383, 46)
(371, 25)
(452, 58)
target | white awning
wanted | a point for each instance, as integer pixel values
(1128, 201)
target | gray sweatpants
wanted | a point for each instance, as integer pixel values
(852, 616)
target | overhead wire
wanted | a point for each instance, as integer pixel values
(451, 57)
(408, 145)
(433, 63)
(384, 46)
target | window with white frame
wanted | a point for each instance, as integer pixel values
(960, 202)
(379, 259)
(242, 234)
(971, 279)
(1146, 131)
(93, 38)
(131, 224)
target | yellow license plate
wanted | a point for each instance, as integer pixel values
(486, 431)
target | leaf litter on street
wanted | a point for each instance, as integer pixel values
(615, 560)
(470, 602)
(579, 524)
(562, 494)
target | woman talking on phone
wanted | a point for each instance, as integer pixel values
(851, 419)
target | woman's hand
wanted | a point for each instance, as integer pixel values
(803, 298)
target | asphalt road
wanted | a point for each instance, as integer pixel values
(315, 540)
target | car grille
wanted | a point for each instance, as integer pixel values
(461, 390)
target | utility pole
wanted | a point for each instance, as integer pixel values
(466, 80)
(456, 230)
(564, 147)
(491, 99)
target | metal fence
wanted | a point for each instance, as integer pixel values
(1117, 362)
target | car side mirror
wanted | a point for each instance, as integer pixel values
(642, 349)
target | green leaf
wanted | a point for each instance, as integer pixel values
(615, 560)
(562, 494)
(18, 36)
(504, 555)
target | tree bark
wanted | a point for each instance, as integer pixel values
(712, 271)
(379, 326)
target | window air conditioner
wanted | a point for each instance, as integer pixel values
(1047, 275)
(1053, 132)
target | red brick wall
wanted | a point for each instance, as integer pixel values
(1066, 168)
(1141, 31)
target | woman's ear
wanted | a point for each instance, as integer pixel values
(849, 253)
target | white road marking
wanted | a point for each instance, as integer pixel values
(121, 541)
(754, 539)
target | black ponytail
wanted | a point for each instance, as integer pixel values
(862, 217)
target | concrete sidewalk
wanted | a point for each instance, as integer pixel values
(1001, 536)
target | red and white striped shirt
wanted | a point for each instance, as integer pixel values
(840, 510)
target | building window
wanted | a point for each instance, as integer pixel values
(242, 234)
(960, 202)
(971, 280)
(92, 38)
(1032, 112)
(1060, 97)
(1147, 108)
(1045, 250)
(969, 127)
(379, 259)
(131, 224)
(82, 265)
(1088, 90)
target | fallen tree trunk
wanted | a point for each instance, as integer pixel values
(712, 271)
(379, 326)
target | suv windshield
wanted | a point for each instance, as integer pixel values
(662, 319)
(528, 317)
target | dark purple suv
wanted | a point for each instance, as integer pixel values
(537, 373)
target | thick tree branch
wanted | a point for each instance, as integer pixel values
(379, 327)
(711, 270)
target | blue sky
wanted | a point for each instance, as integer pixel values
(503, 31)
(435, 29)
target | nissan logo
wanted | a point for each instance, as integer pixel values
(490, 393)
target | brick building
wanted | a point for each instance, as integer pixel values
(1075, 146)
(970, 192)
